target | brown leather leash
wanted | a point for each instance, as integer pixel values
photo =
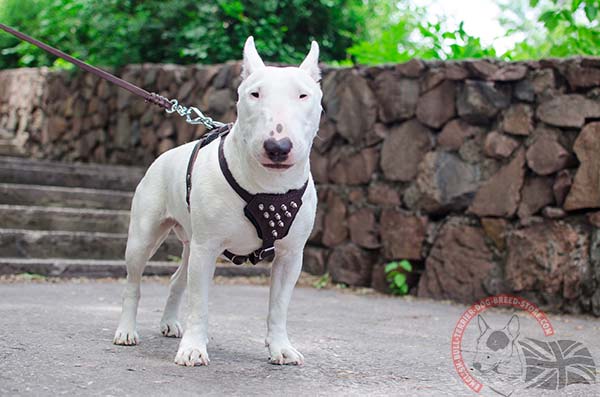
(169, 105)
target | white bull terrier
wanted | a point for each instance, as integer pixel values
(267, 151)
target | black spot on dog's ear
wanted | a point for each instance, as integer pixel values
(497, 340)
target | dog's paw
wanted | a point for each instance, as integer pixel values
(284, 354)
(126, 337)
(171, 328)
(191, 356)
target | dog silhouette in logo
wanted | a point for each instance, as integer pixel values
(497, 358)
(504, 362)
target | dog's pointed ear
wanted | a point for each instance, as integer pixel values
(311, 62)
(483, 326)
(513, 326)
(252, 61)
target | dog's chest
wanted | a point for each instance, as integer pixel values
(264, 219)
(241, 235)
(225, 219)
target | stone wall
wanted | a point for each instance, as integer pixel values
(79, 117)
(485, 175)
(21, 109)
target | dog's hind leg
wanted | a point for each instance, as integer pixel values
(169, 324)
(145, 236)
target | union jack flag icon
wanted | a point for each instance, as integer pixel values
(554, 365)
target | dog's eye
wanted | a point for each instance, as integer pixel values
(303, 96)
(255, 94)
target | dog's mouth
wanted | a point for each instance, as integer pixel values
(277, 166)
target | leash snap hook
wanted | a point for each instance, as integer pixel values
(173, 108)
(201, 118)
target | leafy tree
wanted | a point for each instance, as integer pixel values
(552, 28)
(409, 35)
(14, 14)
(282, 29)
(118, 32)
(544, 28)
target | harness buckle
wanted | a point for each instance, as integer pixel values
(265, 254)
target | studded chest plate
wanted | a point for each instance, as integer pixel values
(273, 214)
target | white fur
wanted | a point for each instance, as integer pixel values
(216, 221)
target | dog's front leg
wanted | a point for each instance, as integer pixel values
(192, 348)
(284, 274)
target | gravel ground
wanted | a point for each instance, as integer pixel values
(55, 339)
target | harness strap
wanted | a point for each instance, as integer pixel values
(188, 176)
(243, 193)
(267, 206)
(205, 140)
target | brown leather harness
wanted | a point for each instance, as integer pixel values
(271, 214)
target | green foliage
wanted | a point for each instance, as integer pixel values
(33, 276)
(395, 274)
(282, 29)
(563, 28)
(13, 13)
(118, 32)
(411, 36)
(559, 28)
(322, 282)
(457, 44)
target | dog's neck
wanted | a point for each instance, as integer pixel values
(254, 177)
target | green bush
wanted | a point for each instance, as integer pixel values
(561, 28)
(118, 32)
(569, 27)
(403, 35)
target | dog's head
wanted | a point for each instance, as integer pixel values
(279, 109)
(495, 347)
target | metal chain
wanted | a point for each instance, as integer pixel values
(189, 112)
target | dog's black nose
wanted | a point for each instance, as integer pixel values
(477, 366)
(278, 150)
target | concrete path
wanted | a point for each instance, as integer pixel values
(55, 339)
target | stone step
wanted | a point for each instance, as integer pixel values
(57, 196)
(21, 243)
(65, 219)
(112, 268)
(49, 173)
(8, 148)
